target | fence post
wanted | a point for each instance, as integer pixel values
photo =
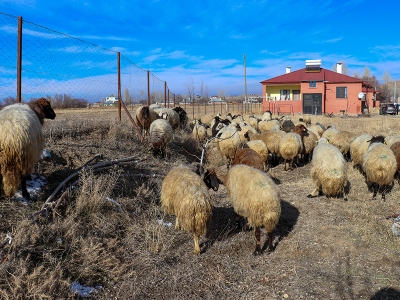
(148, 88)
(119, 86)
(19, 61)
(165, 95)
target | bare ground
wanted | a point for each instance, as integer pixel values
(325, 248)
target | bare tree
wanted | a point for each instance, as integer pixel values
(190, 88)
(367, 72)
(386, 77)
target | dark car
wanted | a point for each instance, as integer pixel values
(389, 109)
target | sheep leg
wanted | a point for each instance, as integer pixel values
(196, 245)
(315, 193)
(344, 194)
(177, 226)
(257, 232)
(284, 163)
(374, 191)
(25, 192)
(270, 239)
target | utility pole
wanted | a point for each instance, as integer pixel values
(245, 84)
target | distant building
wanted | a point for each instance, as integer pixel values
(315, 90)
(110, 101)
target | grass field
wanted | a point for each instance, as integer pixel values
(109, 232)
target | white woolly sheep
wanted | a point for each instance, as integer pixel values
(271, 140)
(171, 116)
(264, 126)
(330, 132)
(292, 145)
(328, 170)
(310, 141)
(390, 140)
(342, 141)
(258, 200)
(199, 132)
(358, 147)
(144, 117)
(379, 166)
(306, 119)
(318, 128)
(185, 195)
(161, 134)
(21, 142)
(229, 142)
(266, 116)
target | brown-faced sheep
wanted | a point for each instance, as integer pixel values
(258, 200)
(161, 134)
(358, 147)
(145, 115)
(185, 195)
(379, 166)
(249, 157)
(291, 145)
(260, 147)
(328, 170)
(21, 142)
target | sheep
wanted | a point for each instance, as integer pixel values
(267, 125)
(171, 116)
(271, 140)
(245, 129)
(183, 117)
(318, 128)
(310, 141)
(287, 125)
(342, 141)
(328, 170)
(21, 142)
(260, 147)
(161, 134)
(249, 157)
(144, 116)
(379, 165)
(199, 131)
(358, 147)
(185, 195)
(292, 145)
(217, 124)
(253, 121)
(267, 116)
(257, 200)
(330, 132)
(306, 119)
(390, 140)
(395, 147)
(229, 142)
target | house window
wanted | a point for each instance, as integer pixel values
(341, 92)
(296, 94)
(313, 84)
(285, 94)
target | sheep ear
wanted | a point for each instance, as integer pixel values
(369, 141)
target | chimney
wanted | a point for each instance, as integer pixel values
(339, 68)
(288, 70)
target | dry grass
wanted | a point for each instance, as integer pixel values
(107, 231)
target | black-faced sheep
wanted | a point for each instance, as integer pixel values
(287, 125)
(21, 142)
(185, 195)
(258, 200)
(379, 166)
(328, 170)
(144, 117)
(183, 117)
(161, 134)
(291, 145)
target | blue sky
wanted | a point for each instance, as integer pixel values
(204, 41)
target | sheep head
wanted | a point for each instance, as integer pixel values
(211, 180)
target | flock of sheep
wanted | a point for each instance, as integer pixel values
(252, 144)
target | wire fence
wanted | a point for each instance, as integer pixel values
(36, 61)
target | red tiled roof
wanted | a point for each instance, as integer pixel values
(301, 75)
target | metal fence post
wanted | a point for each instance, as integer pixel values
(19, 61)
(119, 86)
(148, 88)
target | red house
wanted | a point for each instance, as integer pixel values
(315, 90)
